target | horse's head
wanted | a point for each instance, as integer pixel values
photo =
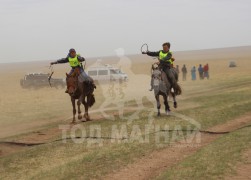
(72, 82)
(156, 72)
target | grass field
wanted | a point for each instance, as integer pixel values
(215, 160)
(226, 96)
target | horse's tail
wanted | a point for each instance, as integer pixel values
(178, 90)
(91, 100)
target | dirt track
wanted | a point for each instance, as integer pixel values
(158, 161)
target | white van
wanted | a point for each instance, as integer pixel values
(106, 72)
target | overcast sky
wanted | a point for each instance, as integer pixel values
(33, 30)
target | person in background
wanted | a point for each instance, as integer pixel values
(184, 72)
(201, 71)
(178, 69)
(193, 73)
(206, 71)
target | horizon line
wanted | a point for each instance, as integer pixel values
(98, 57)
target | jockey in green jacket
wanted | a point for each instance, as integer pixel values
(75, 61)
(165, 63)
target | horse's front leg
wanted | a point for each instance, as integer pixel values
(158, 104)
(74, 109)
(167, 108)
(79, 110)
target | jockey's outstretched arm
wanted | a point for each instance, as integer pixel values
(66, 60)
(61, 61)
(153, 54)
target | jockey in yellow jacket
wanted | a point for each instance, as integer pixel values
(75, 61)
(165, 62)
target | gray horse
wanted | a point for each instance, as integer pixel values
(161, 86)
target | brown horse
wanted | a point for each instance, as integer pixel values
(81, 91)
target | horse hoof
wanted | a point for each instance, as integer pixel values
(158, 114)
(167, 113)
(86, 117)
(80, 117)
(175, 105)
(73, 122)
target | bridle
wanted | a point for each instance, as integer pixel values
(155, 69)
(74, 82)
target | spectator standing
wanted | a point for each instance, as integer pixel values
(206, 71)
(201, 71)
(184, 72)
(178, 69)
(193, 73)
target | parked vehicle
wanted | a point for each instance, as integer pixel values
(106, 72)
(232, 64)
(38, 80)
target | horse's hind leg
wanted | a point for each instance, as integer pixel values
(74, 109)
(158, 104)
(79, 110)
(86, 115)
(175, 105)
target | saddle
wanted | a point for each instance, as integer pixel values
(79, 79)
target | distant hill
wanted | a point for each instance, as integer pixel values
(231, 53)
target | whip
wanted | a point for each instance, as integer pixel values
(144, 46)
(52, 71)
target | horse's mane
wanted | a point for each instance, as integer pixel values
(75, 73)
